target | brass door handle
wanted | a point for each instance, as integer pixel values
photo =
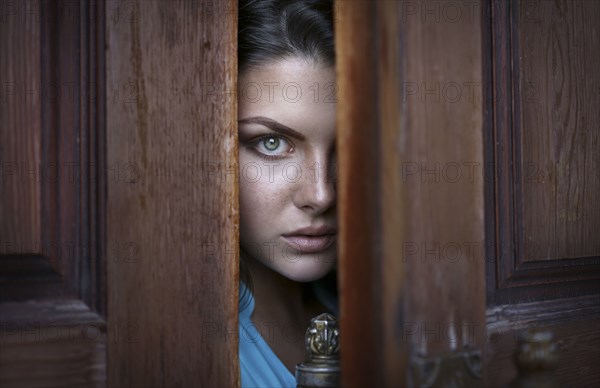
(536, 358)
(322, 369)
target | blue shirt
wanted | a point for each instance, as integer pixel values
(259, 366)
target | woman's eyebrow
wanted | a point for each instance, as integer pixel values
(274, 125)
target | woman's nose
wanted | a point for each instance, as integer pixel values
(316, 190)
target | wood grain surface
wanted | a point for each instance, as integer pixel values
(359, 140)
(20, 136)
(402, 135)
(443, 179)
(541, 214)
(52, 296)
(172, 204)
(575, 327)
(542, 226)
(359, 228)
(558, 51)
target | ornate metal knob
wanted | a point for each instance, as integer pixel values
(536, 360)
(322, 369)
(322, 337)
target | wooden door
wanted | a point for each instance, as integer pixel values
(172, 124)
(542, 212)
(118, 209)
(403, 207)
(468, 168)
(52, 205)
(469, 153)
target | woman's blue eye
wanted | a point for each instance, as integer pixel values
(273, 145)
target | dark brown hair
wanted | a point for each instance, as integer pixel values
(271, 30)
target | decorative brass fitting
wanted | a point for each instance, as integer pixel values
(537, 359)
(322, 369)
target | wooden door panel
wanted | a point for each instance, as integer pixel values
(52, 202)
(529, 220)
(543, 228)
(575, 325)
(403, 289)
(556, 52)
(548, 134)
(542, 213)
(172, 121)
(368, 268)
(51, 141)
(443, 181)
(21, 149)
(52, 344)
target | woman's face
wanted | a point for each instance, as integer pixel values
(287, 164)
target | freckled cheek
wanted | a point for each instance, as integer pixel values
(264, 195)
(280, 175)
(262, 205)
(268, 180)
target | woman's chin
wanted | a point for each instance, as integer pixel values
(307, 272)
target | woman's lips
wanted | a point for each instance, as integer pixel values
(310, 244)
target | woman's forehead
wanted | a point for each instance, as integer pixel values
(304, 72)
(293, 84)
